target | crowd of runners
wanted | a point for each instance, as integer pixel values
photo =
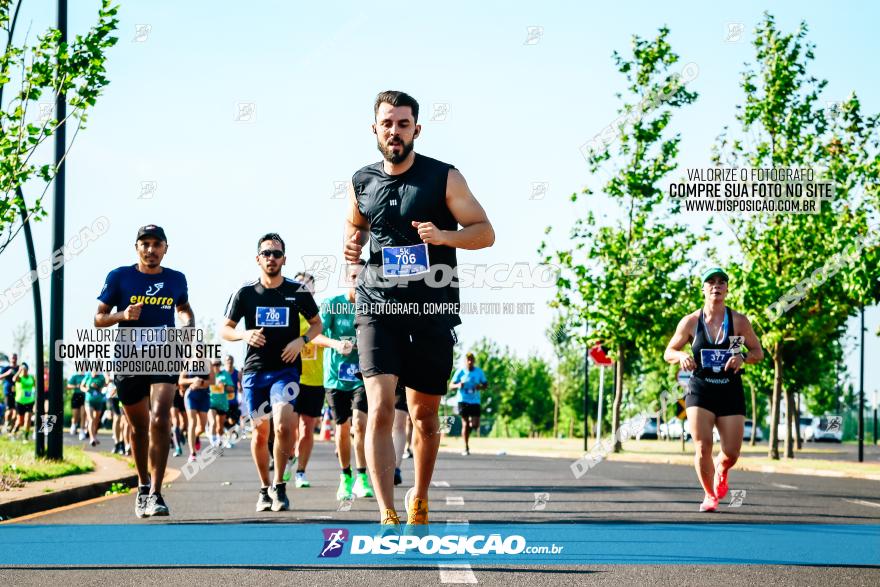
(381, 372)
(380, 369)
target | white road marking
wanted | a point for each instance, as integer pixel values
(863, 502)
(783, 486)
(457, 574)
(454, 500)
(440, 483)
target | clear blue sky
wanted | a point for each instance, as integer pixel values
(517, 113)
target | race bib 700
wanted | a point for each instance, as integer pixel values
(270, 317)
(402, 261)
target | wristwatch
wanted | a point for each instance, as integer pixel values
(305, 338)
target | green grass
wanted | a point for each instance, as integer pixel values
(18, 460)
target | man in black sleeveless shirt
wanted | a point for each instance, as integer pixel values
(407, 296)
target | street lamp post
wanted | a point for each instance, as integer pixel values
(56, 301)
(586, 384)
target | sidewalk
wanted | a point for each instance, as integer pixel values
(43, 495)
(825, 460)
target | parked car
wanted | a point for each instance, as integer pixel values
(671, 429)
(650, 429)
(807, 428)
(827, 428)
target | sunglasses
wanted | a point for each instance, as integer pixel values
(271, 253)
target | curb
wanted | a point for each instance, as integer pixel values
(23, 506)
(633, 457)
(48, 501)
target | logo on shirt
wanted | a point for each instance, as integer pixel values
(165, 302)
(158, 286)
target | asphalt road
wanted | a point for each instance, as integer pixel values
(497, 489)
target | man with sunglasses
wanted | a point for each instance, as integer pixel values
(145, 295)
(409, 207)
(271, 306)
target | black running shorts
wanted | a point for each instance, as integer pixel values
(466, 410)
(77, 400)
(720, 404)
(342, 403)
(309, 401)
(419, 352)
(133, 388)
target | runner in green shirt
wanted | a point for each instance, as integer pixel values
(93, 385)
(345, 392)
(219, 403)
(77, 401)
(25, 395)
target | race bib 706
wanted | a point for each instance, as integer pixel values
(402, 261)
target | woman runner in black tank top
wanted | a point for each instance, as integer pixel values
(723, 388)
(715, 399)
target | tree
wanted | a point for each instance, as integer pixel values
(48, 69)
(21, 336)
(624, 278)
(784, 125)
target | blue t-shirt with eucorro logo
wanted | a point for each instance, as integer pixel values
(160, 293)
(469, 394)
(8, 385)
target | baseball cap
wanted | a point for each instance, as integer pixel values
(151, 230)
(712, 272)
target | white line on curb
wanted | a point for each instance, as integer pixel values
(863, 502)
(454, 500)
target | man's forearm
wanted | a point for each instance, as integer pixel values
(314, 331)
(230, 334)
(324, 341)
(475, 236)
(187, 318)
(105, 320)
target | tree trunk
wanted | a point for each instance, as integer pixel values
(789, 420)
(42, 395)
(555, 417)
(774, 404)
(753, 440)
(618, 396)
(797, 422)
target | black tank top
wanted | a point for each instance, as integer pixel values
(705, 378)
(390, 203)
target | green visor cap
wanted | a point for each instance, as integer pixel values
(712, 272)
